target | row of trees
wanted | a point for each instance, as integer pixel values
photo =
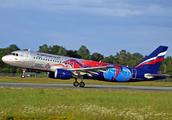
(7, 68)
(123, 57)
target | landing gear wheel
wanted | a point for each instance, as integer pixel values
(81, 84)
(76, 84)
(22, 76)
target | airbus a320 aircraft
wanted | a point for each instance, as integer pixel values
(66, 67)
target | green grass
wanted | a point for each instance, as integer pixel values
(24, 103)
(87, 81)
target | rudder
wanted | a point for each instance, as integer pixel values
(154, 60)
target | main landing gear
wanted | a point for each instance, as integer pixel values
(23, 76)
(81, 84)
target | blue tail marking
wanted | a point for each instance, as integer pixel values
(154, 60)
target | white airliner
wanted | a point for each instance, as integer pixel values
(62, 67)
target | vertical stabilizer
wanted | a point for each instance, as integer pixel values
(154, 60)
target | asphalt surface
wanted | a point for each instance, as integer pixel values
(87, 86)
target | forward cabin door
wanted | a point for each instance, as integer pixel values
(26, 56)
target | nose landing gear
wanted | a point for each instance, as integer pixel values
(23, 76)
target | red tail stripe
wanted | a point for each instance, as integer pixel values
(152, 63)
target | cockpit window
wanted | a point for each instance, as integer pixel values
(15, 54)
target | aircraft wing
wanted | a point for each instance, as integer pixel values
(88, 71)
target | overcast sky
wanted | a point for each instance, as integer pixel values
(103, 26)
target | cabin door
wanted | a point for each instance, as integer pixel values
(134, 73)
(26, 56)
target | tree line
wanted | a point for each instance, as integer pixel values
(122, 57)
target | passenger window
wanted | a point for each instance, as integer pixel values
(16, 54)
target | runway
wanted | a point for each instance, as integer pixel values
(87, 86)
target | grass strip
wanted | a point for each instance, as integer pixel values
(78, 104)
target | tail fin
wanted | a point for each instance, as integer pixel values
(154, 60)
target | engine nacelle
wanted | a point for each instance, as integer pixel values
(62, 74)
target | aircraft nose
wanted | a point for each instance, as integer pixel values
(5, 59)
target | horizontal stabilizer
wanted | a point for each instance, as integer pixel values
(159, 75)
(149, 76)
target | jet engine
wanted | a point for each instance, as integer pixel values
(62, 74)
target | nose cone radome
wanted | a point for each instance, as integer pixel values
(5, 59)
